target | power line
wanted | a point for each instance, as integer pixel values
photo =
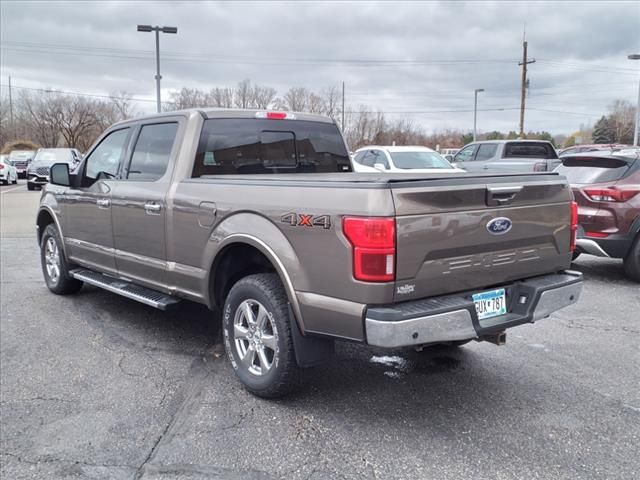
(204, 57)
(126, 53)
(80, 94)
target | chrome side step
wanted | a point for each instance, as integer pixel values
(144, 295)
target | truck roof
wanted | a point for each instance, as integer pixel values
(209, 112)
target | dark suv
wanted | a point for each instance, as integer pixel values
(38, 169)
(606, 186)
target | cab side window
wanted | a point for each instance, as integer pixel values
(486, 151)
(380, 158)
(358, 157)
(105, 160)
(152, 151)
(368, 159)
(466, 154)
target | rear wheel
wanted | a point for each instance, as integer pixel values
(632, 260)
(54, 264)
(257, 336)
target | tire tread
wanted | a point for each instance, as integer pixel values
(288, 379)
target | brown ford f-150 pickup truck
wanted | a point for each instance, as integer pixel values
(259, 215)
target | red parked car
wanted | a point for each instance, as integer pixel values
(606, 187)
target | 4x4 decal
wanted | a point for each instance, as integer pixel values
(304, 220)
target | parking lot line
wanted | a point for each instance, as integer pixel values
(11, 189)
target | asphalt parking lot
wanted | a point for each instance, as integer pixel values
(100, 387)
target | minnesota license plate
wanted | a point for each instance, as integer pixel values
(490, 304)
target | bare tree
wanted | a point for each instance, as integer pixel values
(187, 98)
(263, 96)
(122, 105)
(78, 121)
(296, 99)
(243, 94)
(220, 97)
(38, 116)
(331, 100)
(621, 121)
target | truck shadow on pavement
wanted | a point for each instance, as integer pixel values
(357, 373)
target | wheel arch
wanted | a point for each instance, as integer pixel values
(45, 217)
(242, 254)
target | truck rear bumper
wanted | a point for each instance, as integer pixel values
(453, 317)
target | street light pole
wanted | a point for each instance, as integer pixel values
(157, 30)
(475, 110)
(636, 56)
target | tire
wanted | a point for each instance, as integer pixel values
(632, 261)
(30, 186)
(4, 182)
(15, 180)
(259, 344)
(54, 264)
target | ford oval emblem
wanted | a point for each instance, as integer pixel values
(499, 226)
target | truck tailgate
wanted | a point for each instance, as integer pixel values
(444, 242)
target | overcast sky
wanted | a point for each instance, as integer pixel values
(421, 58)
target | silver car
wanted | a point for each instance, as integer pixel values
(507, 156)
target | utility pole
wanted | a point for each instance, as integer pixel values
(157, 30)
(342, 125)
(475, 110)
(524, 85)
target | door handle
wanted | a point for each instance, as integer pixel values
(152, 207)
(103, 202)
(497, 196)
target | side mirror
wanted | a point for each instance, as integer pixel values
(379, 166)
(59, 174)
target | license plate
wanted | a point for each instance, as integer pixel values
(490, 304)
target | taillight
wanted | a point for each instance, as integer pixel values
(574, 226)
(1, 166)
(540, 167)
(374, 247)
(276, 115)
(611, 194)
(596, 234)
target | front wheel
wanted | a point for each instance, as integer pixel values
(632, 261)
(257, 336)
(30, 186)
(54, 264)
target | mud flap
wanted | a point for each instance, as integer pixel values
(310, 351)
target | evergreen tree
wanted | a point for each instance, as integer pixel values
(602, 132)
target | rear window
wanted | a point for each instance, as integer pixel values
(593, 170)
(411, 160)
(529, 150)
(256, 146)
